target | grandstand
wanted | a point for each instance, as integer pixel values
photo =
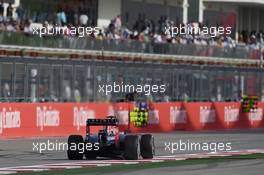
(131, 48)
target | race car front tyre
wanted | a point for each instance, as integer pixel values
(147, 147)
(132, 147)
(74, 143)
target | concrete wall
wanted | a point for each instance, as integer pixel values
(107, 10)
(224, 7)
(249, 16)
(132, 10)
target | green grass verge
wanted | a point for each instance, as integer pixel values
(128, 168)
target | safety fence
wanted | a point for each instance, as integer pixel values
(61, 119)
(133, 46)
(26, 79)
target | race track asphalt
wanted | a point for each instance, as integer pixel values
(18, 152)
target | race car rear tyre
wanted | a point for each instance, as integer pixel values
(73, 147)
(132, 147)
(147, 147)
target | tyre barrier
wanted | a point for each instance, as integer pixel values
(63, 119)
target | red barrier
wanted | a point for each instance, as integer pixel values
(230, 115)
(62, 119)
(256, 119)
(47, 119)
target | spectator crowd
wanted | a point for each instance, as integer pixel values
(143, 30)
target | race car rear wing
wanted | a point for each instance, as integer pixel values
(102, 122)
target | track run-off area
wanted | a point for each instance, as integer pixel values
(17, 155)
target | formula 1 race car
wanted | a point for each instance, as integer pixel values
(109, 142)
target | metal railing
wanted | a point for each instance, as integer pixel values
(25, 79)
(244, 52)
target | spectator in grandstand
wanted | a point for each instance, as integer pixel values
(253, 43)
(240, 41)
(53, 97)
(219, 94)
(67, 93)
(166, 98)
(117, 23)
(27, 28)
(1, 18)
(20, 13)
(2, 8)
(260, 37)
(61, 17)
(185, 97)
(114, 29)
(157, 38)
(6, 91)
(76, 93)
(83, 20)
(9, 12)
(12, 26)
(2, 26)
(100, 35)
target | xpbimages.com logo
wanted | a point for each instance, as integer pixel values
(62, 30)
(187, 145)
(47, 146)
(191, 30)
(130, 88)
